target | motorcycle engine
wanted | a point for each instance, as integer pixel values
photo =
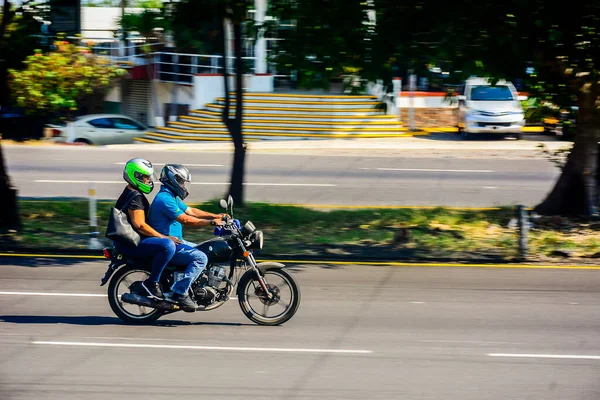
(216, 273)
(208, 285)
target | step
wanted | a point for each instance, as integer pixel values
(265, 131)
(145, 139)
(298, 117)
(206, 122)
(302, 111)
(291, 125)
(156, 136)
(302, 103)
(308, 97)
(159, 136)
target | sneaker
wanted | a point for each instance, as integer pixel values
(153, 289)
(184, 301)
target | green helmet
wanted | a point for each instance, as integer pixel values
(134, 171)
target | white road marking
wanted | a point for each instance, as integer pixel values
(561, 356)
(73, 181)
(290, 184)
(417, 302)
(490, 187)
(193, 183)
(53, 294)
(185, 165)
(219, 348)
(467, 342)
(487, 171)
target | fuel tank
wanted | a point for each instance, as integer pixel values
(216, 249)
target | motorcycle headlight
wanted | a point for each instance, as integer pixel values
(248, 229)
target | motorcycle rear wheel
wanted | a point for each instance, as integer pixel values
(126, 312)
(256, 306)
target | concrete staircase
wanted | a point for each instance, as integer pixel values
(275, 116)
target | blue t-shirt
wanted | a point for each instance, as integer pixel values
(164, 210)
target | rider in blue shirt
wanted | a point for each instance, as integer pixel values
(167, 214)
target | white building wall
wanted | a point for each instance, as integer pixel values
(114, 95)
(101, 22)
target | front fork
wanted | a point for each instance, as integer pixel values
(252, 261)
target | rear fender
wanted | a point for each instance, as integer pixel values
(112, 267)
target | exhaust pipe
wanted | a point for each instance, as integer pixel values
(138, 300)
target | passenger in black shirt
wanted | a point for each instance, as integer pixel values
(138, 173)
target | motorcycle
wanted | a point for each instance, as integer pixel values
(267, 294)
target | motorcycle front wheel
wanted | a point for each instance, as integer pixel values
(256, 304)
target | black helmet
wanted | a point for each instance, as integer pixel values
(177, 178)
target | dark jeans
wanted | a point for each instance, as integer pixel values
(160, 249)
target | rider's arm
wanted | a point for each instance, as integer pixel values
(138, 221)
(194, 212)
(189, 220)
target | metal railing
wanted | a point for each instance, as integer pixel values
(181, 67)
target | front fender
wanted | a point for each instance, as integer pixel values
(251, 274)
(265, 266)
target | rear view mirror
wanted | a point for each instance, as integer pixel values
(461, 97)
(230, 201)
(223, 204)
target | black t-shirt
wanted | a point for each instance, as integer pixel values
(139, 202)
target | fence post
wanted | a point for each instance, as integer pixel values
(523, 224)
(397, 89)
(94, 243)
(412, 82)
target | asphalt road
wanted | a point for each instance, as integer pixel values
(454, 178)
(362, 332)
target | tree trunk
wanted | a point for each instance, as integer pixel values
(9, 212)
(6, 17)
(576, 191)
(236, 189)
(225, 115)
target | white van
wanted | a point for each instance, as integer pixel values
(487, 108)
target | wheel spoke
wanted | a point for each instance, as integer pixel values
(281, 283)
(283, 304)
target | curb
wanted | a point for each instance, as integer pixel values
(332, 260)
(324, 258)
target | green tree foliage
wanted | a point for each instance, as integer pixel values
(328, 38)
(58, 82)
(197, 26)
(146, 22)
(502, 39)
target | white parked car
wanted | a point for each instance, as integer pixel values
(487, 108)
(96, 129)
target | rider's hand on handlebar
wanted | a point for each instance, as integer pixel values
(218, 222)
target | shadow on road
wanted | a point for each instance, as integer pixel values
(99, 321)
(34, 261)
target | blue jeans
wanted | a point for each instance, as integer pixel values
(187, 254)
(160, 249)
